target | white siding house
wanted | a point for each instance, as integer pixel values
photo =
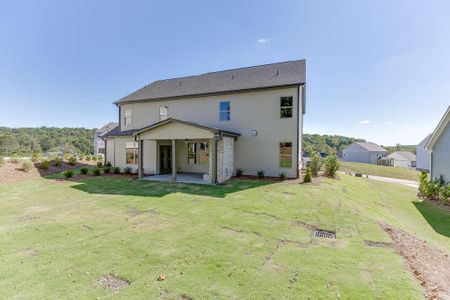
(439, 147)
(402, 159)
(423, 156)
(367, 153)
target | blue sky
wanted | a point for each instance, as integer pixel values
(378, 70)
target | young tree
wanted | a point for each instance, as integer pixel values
(315, 164)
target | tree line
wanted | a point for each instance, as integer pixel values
(327, 143)
(26, 141)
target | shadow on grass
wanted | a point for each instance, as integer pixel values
(437, 217)
(118, 186)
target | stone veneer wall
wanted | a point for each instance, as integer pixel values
(225, 159)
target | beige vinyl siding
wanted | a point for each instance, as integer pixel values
(182, 159)
(258, 111)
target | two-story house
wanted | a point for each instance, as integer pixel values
(211, 124)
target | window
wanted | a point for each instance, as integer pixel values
(128, 117)
(203, 153)
(225, 111)
(163, 113)
(286, 107)
(285, 155)
(192, 153)
(131, 153)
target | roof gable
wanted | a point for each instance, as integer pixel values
(365, 146)
(438, 131)
(424, 141)
(403, 155)
(227, 81)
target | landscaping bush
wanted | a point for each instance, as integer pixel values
(315, 164)
(93, 158)
(432, 190)
(308, 175)
(84, 170)
(107, 170)
(444, 194)
(108, 164)
(14, 158)
(68, 173)
(331, 165)
(99, 164)
(97, 172)
(88, 158)
(282, 176)
(127, 170)
(116, 170)
(66, 156)
(44, 164)
(27, 166)
(57, 161)
(81, 157)
(72, 161)
(261, 174)
(239, 172)
(36, 156)
(423, 185)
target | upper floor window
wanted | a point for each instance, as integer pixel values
(128, 117)
(225, 111)
(286, 107)
(163, 113)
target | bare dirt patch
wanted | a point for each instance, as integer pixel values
(30, 252)
(11, 172)
(377, 244)
(112, 282)
(134, 212)
(430, 266)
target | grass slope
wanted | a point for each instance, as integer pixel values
(401, 173)
(246, 239)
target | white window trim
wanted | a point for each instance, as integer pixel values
(162, 115)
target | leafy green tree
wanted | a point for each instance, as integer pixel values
(315, 164)
(331, 165)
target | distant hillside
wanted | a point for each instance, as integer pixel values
(24, 141)
(327, 143)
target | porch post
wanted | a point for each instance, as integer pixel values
(140, 156)
(174, 161)
(214, 161)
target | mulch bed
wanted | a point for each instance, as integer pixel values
(430, 266)
(10, 172)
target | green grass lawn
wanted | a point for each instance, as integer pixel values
(394, 172)
(246, 239)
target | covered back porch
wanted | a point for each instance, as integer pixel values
(181, 151)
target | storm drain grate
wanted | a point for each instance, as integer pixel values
(324, 234)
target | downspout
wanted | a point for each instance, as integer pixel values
(297, 171)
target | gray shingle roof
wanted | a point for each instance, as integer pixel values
(371, 146)
(107, 127)
(263, 76)
(408, 155)
(424, 141)
(116, 132)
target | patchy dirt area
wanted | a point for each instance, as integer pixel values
(430, 266)
(11, 172)
(112, 282)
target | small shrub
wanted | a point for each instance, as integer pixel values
(432, 190)
(239, 172)
(84, 170)
(27, 166)
(81, 157)
(308, 175)
(66, 156)
(88, 158)
(444, 194)
(282, 176)
(72, 161)
(14, 158)
(108, 164)
(68, 173)
(331, 165)
(36, 156)
(127, 170)
(44, 164)
(57, 161)
(315, 164)
(99, 164)
(107, 170)
(116, 170)
(93, 158)
(97, 172)
(261, 174)
(423, 185)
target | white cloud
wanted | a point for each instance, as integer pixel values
(263, 41)
(388, 123)
(364, 122)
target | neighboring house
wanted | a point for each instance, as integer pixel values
(99, 143)
(401, 159)
(211, 124)
(439, 147)
(361, 152)
(423, 156)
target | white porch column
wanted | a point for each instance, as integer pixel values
(174, 160)
(140, 158)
